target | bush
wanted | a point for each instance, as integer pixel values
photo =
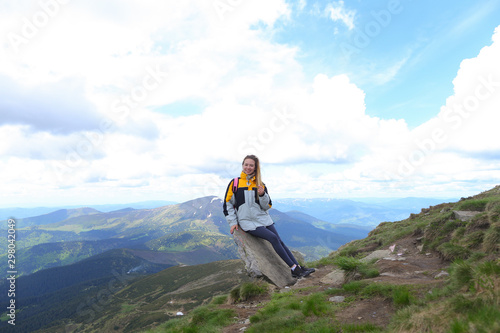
(348, 264)
(461, 274)
(451, 251)
(251, 289)
(314, 304)
(354, 287)
(401, 296)
(478, 205)
(206, 318)
(206, 315)
(219, 300)
(474, 239)
(491, 240)
(248, 290)
(353, 266)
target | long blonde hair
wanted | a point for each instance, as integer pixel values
(258, 177)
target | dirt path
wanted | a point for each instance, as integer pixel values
(405, 265)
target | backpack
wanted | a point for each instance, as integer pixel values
(235, 184)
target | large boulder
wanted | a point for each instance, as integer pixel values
(261, 260)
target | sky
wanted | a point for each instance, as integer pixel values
(125, 101)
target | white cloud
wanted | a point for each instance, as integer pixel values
(469, 118)
(59, 107)
(86, 86)
(338, 12)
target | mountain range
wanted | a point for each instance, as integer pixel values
(68, 256)
(129, 269)
(68, 235)
(364, 212)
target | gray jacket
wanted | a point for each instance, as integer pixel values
(246, 207)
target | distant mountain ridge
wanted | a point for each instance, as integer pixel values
(346, 211)
(56, 216)
(21, 213)
(193, 232)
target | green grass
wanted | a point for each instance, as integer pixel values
(360, 328)
(352, 267)
(474, 204)
(248, 290)
(491, 239)
(127, 307)
(288, 312)
(203, 319)
(217, 300)
(451, 251)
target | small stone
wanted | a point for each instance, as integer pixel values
(441, 274)
(337, 299)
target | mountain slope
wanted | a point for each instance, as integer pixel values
(345, 211)
(131, 303)
(197, 227)
(56, 293)
(54, 217)
(411, 293)
(436, 271)
(47, 255)
(21, 213)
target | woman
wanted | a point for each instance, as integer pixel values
(247, 203)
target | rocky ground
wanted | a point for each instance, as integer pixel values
(403, 263)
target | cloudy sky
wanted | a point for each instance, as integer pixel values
(124, 100)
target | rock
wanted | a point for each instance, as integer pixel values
(337, 299)
(441, 274)
(336, 278)
(261, 260)
(299, 256)
(379, 254)
(464, 215)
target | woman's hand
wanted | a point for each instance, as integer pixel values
(232, 228)
(260, 190)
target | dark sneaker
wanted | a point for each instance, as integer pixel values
(310, 270)
(298, 272)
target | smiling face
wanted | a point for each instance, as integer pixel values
(248, 166)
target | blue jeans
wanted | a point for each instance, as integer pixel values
(270, 234)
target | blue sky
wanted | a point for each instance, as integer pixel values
(403, 54)
(125, 101)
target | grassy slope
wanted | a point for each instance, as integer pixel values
(469, 300)
(158, 298)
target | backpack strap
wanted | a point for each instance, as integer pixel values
(235, 184)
